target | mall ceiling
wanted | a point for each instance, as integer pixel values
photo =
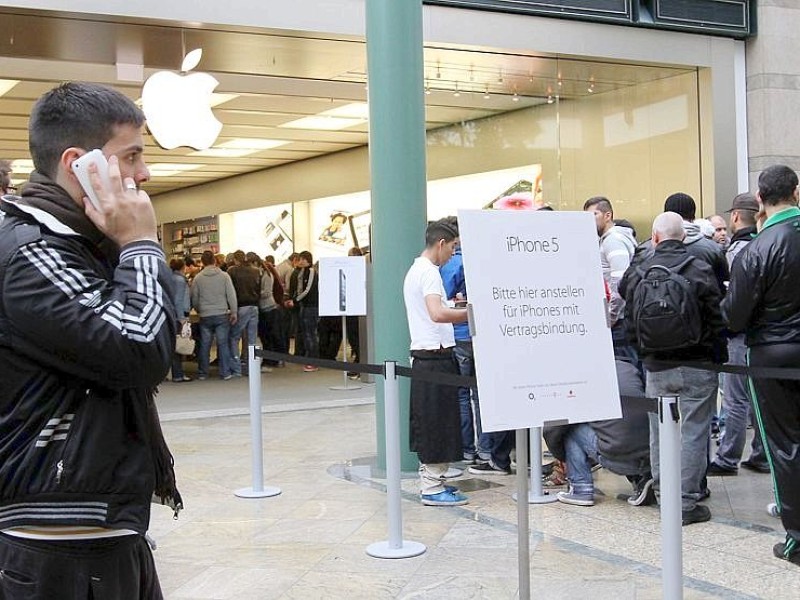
(268, 79)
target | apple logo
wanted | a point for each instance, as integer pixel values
(178, 106)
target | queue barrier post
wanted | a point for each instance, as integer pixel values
(669, 445)
(258, 490)
(536, 493)
(396, 546)
(523, 524)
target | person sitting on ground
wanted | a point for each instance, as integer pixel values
(620, 445)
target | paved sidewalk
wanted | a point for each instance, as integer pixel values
(310, 541)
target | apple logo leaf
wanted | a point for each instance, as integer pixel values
(191, 60)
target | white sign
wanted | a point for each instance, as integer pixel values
(542, 346)
(342, 285)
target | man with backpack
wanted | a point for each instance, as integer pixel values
(673, 311)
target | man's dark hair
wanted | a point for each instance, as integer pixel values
(444, 229)
(239, 257)
(208, 258)
(83, 115)
(307, 256)
(776, 184)
(681, 203)
(270, 259)
(177, 264)
(600, 203)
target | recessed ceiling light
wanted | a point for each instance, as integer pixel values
(354, 110)
(6, 85)
(333, 119)
(170, 169)
(323, 122)
(239, 147)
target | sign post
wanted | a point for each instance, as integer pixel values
(343, 291)
(542, 344)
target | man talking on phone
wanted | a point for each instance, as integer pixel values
(86, 334)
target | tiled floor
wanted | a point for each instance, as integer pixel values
(309, 542)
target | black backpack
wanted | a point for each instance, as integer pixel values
(666, 311)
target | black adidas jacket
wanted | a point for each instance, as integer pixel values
(85, 336)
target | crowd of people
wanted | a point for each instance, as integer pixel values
(698, 291)
(241, 298)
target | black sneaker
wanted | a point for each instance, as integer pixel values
(792, 554)
(644, 495)
(715, 469)
(489, 468)
(756, 467)
(699, 514)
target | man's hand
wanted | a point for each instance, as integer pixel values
(126, 214)
(233, 317)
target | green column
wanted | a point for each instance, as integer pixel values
(397, 171)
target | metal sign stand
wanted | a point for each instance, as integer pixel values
(254, 378)
(344, 359)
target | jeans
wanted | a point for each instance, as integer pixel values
(736, 404)
(696, 390)
(217, 326)
(580, 444)
(469, 425)
(623, 349)
(247, 323)
(309, 315)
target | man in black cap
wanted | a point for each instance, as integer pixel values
(763, 302)
(736, 400)
(696, 243)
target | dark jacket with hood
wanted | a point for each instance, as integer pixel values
(87, 331)
(698, 246)
(670, 254)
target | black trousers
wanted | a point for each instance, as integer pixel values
(777, 407)
(435, 416)
(119, 568)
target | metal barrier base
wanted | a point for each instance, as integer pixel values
(249, 492)
(406, 550)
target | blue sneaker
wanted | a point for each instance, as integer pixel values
(445, 498)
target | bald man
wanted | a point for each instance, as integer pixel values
(695, 388)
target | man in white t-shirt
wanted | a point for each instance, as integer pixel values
(435, 432)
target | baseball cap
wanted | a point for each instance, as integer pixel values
(744, 201)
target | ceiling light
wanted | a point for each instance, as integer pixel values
(515, 97)
(322, 122)
(349, 115)
(590, 89)
(550, 99)
(6, 85)
(456, 93)
(170, 169)
(239, 147)
(427, 88)
(22, 165)
(354, 110)
(486, 94)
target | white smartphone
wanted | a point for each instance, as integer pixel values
(80, 166)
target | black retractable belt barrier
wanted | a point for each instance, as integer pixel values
(471, 381)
